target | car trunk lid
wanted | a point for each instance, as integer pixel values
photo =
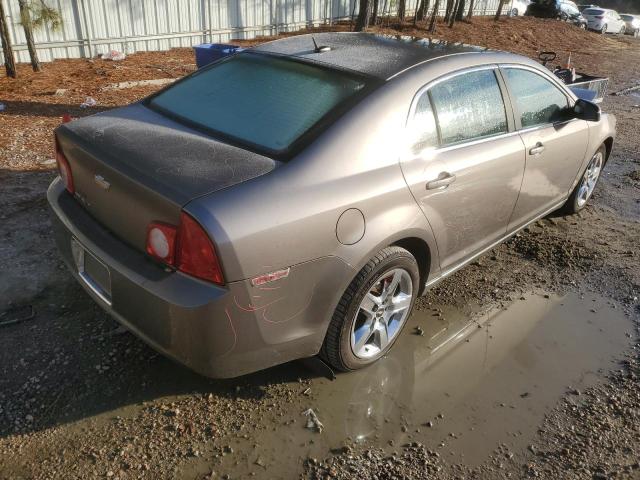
(132, 166)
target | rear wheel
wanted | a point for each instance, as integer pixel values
(372, 311)
(587, 184)
(636, 32)
(622, 30)
(604, 29)
(514, 12)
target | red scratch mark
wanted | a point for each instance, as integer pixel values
(251, 308)
(233, 329)
(264, 312)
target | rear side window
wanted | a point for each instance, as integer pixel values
(469, 106)
(537, 100)
(423, 133)
(593, 11)
(259, 100)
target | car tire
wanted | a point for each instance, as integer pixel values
(636, 33)
(356, 311)
(604, 29)
(582, 26)
(587, 184)
(514, 12)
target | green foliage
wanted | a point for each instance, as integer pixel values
(38, 14)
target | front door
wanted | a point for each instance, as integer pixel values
(463, 166)
(555, 147)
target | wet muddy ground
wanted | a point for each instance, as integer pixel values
(527, 365)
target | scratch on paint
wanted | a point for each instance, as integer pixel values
(264, 312)
(233, 329)
(268, 288)
(251, 308)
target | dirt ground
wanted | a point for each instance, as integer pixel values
(527, 367)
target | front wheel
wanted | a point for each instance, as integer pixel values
(372, 311)
(636, 33)
(582, 26)
(587, 184)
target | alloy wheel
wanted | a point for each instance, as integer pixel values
(382, 313)
(590, 178)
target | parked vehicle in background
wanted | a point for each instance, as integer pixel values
(582, 8)
(565, 10)
(518, 7)
(604, 20)
(632, 24)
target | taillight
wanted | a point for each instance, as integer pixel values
(188, 248)
(161, 242)
(196, 253)
(64, 169)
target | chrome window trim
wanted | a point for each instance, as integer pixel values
(465, 143)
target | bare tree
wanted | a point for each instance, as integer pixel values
(364, 13)
(7, 48)
(452, 13)
(448, 9)
(460, 10)
(402, 10)
(470, 12)
(374, 15)
(434, 14)
(499, 11)
(422, 10)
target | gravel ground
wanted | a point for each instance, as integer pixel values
(82, 398)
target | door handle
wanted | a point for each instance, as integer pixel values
(537, 149)
(443, 181)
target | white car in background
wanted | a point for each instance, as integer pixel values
(604, 20)
(632, 24)
(518, 7)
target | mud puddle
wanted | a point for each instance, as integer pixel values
(464, 388)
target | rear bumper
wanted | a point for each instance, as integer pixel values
(217, 331)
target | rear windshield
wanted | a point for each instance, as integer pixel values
(593, 11)
(259, 100)
(628, 18)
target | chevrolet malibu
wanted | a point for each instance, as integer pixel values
(295, 198)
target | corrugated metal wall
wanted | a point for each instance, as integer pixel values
(91, 27)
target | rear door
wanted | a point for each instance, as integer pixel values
(554, 146)
(464, 163)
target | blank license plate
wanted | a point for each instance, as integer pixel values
(92, 271)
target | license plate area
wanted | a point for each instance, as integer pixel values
(92, 271)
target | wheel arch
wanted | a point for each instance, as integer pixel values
(422, 253)
(608, 143)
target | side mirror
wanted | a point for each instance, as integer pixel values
(585, 110)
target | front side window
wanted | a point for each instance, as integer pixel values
(469, 106)
(259, 100)
(537, 100)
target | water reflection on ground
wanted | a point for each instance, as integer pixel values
(463, 388)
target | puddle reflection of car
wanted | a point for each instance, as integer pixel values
(297, 197)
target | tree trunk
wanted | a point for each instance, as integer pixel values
(470, 12)
(9, 61)
(460, 11)
(364, 13)
(422, 9)
(25, 19)
(434, 14)
(374, 15)
(452, 14)
(402, 10)
(447, 11)
(499, 12)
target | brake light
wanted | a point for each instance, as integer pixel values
(161, 242)
(196, 253)
(187, 248)
(64, 169)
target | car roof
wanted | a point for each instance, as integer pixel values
(381, 56)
